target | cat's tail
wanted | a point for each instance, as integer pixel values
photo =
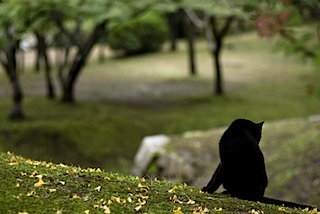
(285, 203)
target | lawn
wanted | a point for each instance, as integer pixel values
(124, 99)
(30, 186)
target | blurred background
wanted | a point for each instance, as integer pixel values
(82, 82)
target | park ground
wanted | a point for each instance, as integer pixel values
(124, 99)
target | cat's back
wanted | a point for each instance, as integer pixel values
(239, 141)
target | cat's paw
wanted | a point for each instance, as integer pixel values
(204, 189)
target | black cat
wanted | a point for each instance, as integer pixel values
(242, 169)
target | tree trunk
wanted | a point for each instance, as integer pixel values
(191, 51)
(172, 19)
(9, 62)
(79, 61)
(217, 40)
(43, 57)
(17, 96)
(68, 96)
(218, 70)
(50, 87)
(16, 112)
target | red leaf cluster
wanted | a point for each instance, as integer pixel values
(270, 24)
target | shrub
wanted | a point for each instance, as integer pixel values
(144, 34)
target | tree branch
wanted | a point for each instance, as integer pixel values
(194, 18)
(226, 26)
(293, 40)
(57, 20)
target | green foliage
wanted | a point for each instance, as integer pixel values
(29, 186)
(144, 34)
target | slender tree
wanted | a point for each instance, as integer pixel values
(216, 21)
(215, 36)
(216, 47)
(8, 58)
(9, 44)
(43, 59)
(190, 33)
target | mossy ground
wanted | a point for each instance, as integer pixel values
(29, 186)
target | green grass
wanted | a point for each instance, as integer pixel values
(29, 186)
(124, 99)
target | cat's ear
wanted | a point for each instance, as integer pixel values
(259, 125)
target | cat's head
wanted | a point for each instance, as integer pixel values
(243, 124)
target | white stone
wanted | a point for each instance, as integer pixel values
(150, 145)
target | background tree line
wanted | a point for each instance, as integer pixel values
(81, 24)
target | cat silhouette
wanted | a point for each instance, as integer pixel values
(242, 170)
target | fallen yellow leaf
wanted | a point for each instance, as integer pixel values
(143, 196)
(175, 199)
(75, 196)
(17, 196)
(29, 161)
(305, 210)
(34, 173)
(52, 190)
(52, 168)
(315, 211)
(177, 211)
(191, 202)
(172, 190)
(106, 209)
(32, 193)
(98, 188)
(143, 188)
(14, 162)
(117, 199)
(138, 208)
(40, 182)
(282, 209)
(143, 202)
(62, 165)
(23, 173)
(200, 210)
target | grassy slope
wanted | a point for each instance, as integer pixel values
(40, 187)
(125, 99)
